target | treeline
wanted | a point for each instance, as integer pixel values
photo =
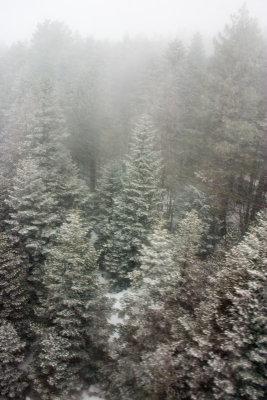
(137, 165)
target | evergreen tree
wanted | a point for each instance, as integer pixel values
(137, 207)
(12, 382)
(33, 207)
(168, 286)
(74, 312)
(55, 371)
(242, 321)
(4, 185)
(46, 185)
(191, 199)
(154, 258)
(187, 238)
(108, 188)
(220, 350)
(14, 288)
(234, 163)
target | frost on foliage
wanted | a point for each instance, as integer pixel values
(137, 207)
(156, 261)
(75, 309)
(194, 199)
(108, 187)
(164, 288)
(222, 353)
(46, 185)
(12, 381)
(244, 335)
(188, 237)
(51, 374)
(32, 208)
(13, 284)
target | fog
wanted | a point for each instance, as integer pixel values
(114, 19)
(132, 196)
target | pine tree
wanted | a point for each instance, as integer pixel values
(46, 185)
(137, 207)
(14, 288)
(156, 260)
(4, 185)
(243, 322)
(168, 286)
(108, 188)
(220, 351)
(194, 199)
(188, 238)
(234, 165)
(33, 216)
(12, 383)
(74, 312)
(50, 373)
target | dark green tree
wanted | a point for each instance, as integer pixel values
(46, 185)
(74, 314)
(235, 127)
(12, 383)
(14, 288)
(137, 208)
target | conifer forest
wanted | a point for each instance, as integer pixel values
(132, 216)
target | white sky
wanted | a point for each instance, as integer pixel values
(114, 19)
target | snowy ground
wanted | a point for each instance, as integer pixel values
(93, 393)
(115, 319)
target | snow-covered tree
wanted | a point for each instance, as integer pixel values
(188, 236)
(46, 185)
(108, 188)
(33, 216)
(154, 257)
(137, 207)
(14, 288)
(219, 351)
(55, 371)
(4, 185)
(12, 381)
(242, 319)
(74, 311)
(167, 286)
(191, 199)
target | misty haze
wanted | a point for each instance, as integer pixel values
(133, 185)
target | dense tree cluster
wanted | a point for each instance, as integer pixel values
(138, 170)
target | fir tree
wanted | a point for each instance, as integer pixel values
(220, 351)
(167, 287)
(12, 383)
(137, 207)
(243, 321)
(4, 186)
(74, 310)
(193, 199)
(154, 258)
(108, 188)
(51, 374)
(46, 185)
(234, 165)
(33, 216)
(14, 288)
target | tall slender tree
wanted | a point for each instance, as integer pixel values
(74, 314)
(12, 384)
(14, 287)
(46, 185)
(235, 126)
(138, 206)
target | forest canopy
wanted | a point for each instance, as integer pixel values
(132, 216)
